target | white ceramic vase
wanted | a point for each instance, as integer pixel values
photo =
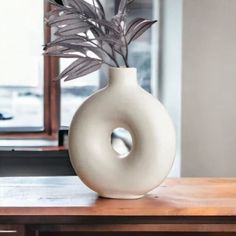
(124, 104)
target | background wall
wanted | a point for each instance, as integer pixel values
(170, 23)
(209, 88)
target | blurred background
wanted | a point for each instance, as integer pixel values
(187, 60)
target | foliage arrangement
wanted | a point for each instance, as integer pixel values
(83, 32)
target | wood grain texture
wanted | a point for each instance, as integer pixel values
(67, 196)
(134, 234)
(64, 206)
(140, 228)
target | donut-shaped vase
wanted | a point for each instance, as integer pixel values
(122, 103)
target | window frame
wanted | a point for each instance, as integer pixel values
(51, 95)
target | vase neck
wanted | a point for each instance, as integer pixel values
(122, 76)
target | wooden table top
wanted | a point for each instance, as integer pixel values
(67, 196)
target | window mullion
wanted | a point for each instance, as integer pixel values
(51, 88)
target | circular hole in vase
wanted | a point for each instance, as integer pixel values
(121, 142)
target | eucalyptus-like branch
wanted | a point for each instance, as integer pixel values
(77, 20)
(125, 57)
(102, 49)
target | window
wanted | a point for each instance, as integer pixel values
(26, 92)
(143, 55)
(21, 81)
(30, 101)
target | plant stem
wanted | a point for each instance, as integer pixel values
(126, 63)
(95, 9)
(101, 8)
(126, 49)
(107, 53)
(114, 54)
(107, 63)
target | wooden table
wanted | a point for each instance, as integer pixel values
(64, 206)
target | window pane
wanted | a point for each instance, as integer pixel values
(75, 92)
(21, 62)
(142, 55)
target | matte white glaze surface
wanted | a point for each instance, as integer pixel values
(123, 103)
